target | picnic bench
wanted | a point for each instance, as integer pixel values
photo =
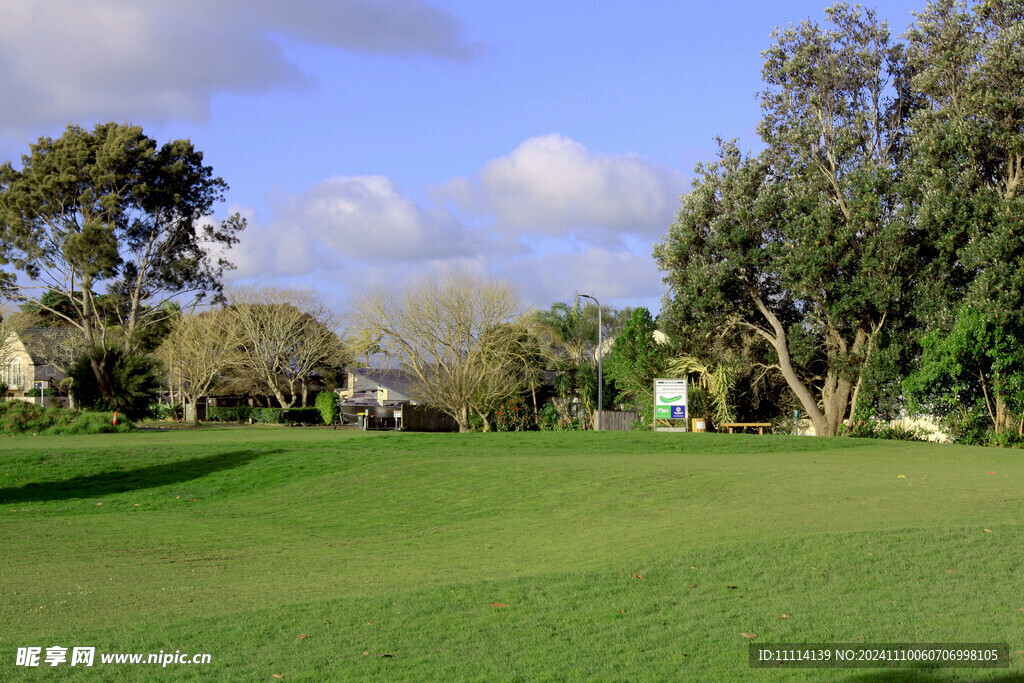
(743, 426)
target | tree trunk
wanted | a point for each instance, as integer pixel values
(462, 418)
(835, 398)
(483, 416)
(781, 344)
(191, 410)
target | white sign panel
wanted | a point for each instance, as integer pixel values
(670, 399)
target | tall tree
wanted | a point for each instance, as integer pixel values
(109, 212)
(805, 244)
(966, 180)
(199, 348)
(455, 333)
(637, 358)
(287, 337)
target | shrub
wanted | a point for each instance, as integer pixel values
(873, 429)
(165, 411)
(230, 413)
(551, 420)
(515, 416)
(1007, 439)
(18, 417)
(327, 404)
(135, 382)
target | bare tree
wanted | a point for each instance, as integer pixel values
(287, 336)
(199, 348)
(455, 333)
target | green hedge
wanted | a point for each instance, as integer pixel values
(18, 417)
(263, 415)
(327, 404)
(229, 413)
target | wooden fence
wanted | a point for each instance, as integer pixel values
(427, 419)
(616, 420)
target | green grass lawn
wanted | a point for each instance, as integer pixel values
(322, 555)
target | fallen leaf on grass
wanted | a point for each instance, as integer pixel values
(783, 616)
(278, 676)
(988, 531)
(365, 653)
(950, 571)
(301, 637)
(693, 585)
(748, 635)
(638, 576)
(498, 604)
(326, 622)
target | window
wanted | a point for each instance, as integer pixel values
(11, 375)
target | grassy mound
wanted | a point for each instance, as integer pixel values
(338, 555)
(18, 417)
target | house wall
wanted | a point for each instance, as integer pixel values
(19, 357)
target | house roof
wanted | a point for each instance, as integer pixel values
(392, 379)
(43, 344)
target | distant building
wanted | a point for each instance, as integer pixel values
(36, 357)
(385, 386)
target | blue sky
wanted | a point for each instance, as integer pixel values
(372, 140)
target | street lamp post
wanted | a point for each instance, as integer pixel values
(600, 355)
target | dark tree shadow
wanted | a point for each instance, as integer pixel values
(106, 483)
(928, 676)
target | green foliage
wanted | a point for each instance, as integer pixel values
(327, 404)
(975, 370)
(805, 244)
(166, 411)
(229, 413)
(310, 416)
(266, 415)
(515, 416)
(714, 386)
(116, 225)
(19, 417)
(874, 429)
(34, 391)
(135, 383)
(635, 361)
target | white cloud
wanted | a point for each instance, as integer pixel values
(608, 274)
(64, 60)
(554, 185)
(347, 220)
(590, 233)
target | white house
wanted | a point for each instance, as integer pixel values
(33, 364)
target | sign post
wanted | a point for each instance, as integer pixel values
(670, 400)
